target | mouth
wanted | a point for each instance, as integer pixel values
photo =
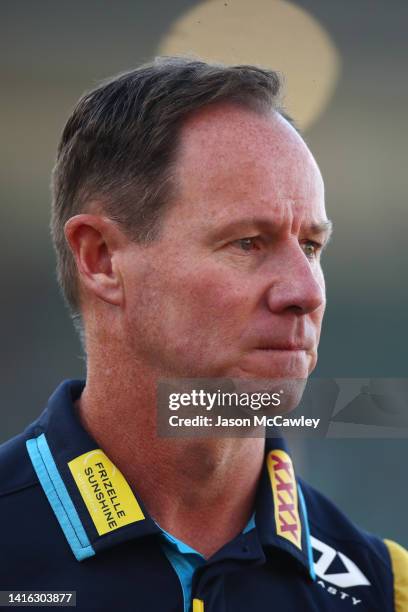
(277, 361)
(283, 348)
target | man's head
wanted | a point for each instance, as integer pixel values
(120, 142)
(197, 233)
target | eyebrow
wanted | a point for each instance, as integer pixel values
(322, 227)
(265, 224)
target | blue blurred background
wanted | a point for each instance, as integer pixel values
(52, 52)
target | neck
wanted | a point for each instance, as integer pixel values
(186, 485)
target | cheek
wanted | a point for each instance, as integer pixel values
(188, 313)
(214, 304)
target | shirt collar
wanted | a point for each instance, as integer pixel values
(97, 509)
(281, 513)
(80, 482)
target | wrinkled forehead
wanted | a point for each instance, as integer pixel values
(233, 154)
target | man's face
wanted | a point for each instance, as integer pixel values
(233, 286)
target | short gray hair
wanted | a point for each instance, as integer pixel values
(120, 143)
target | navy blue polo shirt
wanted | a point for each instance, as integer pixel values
(70, 522)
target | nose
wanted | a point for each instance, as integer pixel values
(298, 286)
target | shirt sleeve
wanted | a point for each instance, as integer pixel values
(399, 561)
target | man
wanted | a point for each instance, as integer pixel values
(188, 221)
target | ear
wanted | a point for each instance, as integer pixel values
(95, 241)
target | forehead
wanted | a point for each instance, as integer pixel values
(233, 160)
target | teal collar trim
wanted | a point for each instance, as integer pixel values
(251, 524)
(307, 530)
(59, 498)
(185, 560)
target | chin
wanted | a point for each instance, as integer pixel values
(272, 365)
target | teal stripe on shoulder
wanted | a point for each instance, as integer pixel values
(58, 497)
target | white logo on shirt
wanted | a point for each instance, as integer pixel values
(352, 576)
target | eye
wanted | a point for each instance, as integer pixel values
(247, 244)
(311, 249)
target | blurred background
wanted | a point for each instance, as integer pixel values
(345, 67)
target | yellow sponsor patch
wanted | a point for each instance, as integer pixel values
(198, 605)
(106, 493)
(285, 498)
